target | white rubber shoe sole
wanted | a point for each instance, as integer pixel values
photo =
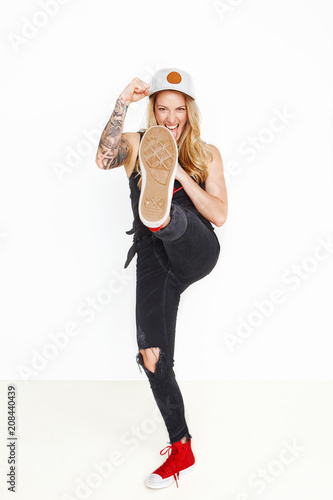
(158, 155)
(155, 481)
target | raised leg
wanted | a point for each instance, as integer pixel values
(191, 247)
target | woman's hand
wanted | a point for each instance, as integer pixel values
(180, 172)
(136, 90)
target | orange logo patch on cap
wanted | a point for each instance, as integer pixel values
(174, 77)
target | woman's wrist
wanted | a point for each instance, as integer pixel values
(126, 102)
(181, 174)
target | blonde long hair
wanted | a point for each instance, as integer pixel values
(193, 152)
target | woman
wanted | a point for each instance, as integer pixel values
(177, 192)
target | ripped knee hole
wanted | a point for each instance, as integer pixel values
(150, 356)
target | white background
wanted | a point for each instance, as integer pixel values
(62, 232)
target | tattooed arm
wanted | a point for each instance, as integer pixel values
(113, 150)
(114, 147)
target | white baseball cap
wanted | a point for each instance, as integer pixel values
(172, 79)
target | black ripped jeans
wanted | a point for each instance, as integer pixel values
(168, 261)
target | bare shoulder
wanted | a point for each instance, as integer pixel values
(215, 182)
(132, 141)
(216, 164)
(215, 152)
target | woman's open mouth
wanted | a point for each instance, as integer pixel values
(173, 129)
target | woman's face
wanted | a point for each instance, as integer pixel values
(171, 112)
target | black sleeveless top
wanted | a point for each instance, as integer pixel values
(139, 230)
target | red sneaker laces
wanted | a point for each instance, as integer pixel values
(172, 462)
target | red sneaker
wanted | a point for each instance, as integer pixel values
(180, 461)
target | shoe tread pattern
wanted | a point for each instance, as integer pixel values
(158, 152)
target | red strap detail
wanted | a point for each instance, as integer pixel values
(154, 229)
(175, 190)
